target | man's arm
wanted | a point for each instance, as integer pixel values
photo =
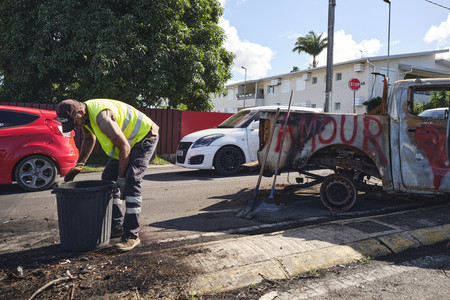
(124, 153)
(85, 152)
(87, 146)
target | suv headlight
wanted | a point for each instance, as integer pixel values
(207, 140)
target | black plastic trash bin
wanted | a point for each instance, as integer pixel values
(84, 214)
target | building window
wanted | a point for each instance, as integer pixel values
(285, 86)
(313, 106)
(300, 84)
(230, 94)
(338, 76)
(314, 80)
(271, 89)
(337, 106)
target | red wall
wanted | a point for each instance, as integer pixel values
(192, 121)
(173, 124)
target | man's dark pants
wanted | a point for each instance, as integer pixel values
(140, 156)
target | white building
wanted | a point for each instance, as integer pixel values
(308, 86)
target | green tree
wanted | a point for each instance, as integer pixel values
(311, 44)
(437, 99)
(139, 51)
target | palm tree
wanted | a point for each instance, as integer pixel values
(311, 44)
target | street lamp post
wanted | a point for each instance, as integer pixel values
(389, 35)
(329, 73)
(245, 84)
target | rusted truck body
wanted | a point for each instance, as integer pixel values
(406, 153)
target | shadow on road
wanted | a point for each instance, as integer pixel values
(11, 189)
(187, 174)
(293, 208)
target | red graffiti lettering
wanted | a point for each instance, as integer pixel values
(432, 141)
(289, 130)
(307, 131)
(324, 128)
(373, 137)
(327, 120)
(355, 127)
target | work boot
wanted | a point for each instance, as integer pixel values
(127, 244)
(116, 232)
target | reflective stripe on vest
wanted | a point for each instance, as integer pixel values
(135, 130)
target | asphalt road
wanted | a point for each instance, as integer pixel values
(193, 205)
(192, 213)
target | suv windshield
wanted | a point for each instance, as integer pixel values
(240, 120)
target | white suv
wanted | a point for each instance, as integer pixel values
(233, 143)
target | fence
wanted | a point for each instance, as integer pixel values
(173, 124)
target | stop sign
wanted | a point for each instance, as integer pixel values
(354, 84)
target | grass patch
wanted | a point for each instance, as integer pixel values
(90, 169)
(313, 273)
(97, 162)
(365, 260)
(159, 161)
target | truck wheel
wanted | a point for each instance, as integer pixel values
(228, 161)
(338, 193)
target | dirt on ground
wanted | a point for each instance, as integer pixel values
(41, 270)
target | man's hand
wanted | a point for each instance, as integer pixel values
(121, 184)
(73, 172)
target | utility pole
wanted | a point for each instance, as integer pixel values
(245, 84)
(389, 37)
(329, 75)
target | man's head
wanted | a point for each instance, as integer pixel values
(67, 111)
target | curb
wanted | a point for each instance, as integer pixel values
(292, 265)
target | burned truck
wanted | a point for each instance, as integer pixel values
(402, 151)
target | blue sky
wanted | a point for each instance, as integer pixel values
(262, 33)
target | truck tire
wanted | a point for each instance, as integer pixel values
(338, 193)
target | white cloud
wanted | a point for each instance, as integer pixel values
(290, 35)
(345, 48)
(439, 34)
(256, 58)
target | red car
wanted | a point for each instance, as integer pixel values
(33, 149)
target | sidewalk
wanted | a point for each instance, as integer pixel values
(240, 262)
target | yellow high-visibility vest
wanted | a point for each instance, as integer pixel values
(134, 124)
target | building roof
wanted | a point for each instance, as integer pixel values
(364, 59)
(422, 69)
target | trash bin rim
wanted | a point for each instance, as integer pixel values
(107, 184)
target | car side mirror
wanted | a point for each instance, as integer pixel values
(254, 125)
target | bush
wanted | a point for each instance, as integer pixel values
(372, 103)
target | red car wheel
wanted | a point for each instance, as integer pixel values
(36, 173)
